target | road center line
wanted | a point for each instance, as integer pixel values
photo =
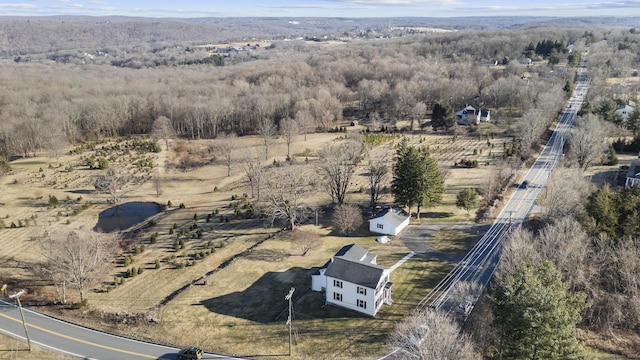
(80, 340)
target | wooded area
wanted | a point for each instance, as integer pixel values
(583, 249)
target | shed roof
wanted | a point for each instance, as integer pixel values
(394, 216)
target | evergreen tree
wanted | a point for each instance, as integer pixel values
(434, 185)
(633, 123)
(603, 210)
(416, 178)
(628, 205)
(536, 316)
(442, 117)
(408, 176)
(467, 199)
(568, 87)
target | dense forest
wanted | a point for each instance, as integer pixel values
(46, 102)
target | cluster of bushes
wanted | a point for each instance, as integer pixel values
(5, 167)
(243, 209)
(378, 139)
(131, 272)
(467, 163)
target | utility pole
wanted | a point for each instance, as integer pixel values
(289, 320)
(510, 216)
(24, 323)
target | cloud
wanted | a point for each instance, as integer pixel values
(317, 6)
(552, 8)
(402, 2)
(19, 6)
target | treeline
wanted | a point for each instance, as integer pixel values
(394, 80)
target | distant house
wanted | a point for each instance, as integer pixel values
(389, 221)
(633, 175)
(625, 110)
(472, 115)
(353, 280)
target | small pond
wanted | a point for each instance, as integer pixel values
(125, 215)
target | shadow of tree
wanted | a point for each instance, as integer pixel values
(264, 300)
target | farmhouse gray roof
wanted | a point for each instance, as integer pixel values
(394, 216)
(634, 169)
(355, 272)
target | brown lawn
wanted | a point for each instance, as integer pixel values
(238, 309)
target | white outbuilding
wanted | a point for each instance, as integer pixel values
(389, 221)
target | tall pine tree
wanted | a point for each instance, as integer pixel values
(536, 316)
(416, 178)
(408, 180)
(434, 185)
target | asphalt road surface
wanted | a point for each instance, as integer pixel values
(461, 288)
(79, 341)
(459, 291)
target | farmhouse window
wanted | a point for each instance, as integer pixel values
(337, 296)
(362, 291)
(380, 226)
(362, 303)
(337, 283)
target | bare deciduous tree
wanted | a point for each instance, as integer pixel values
(163, 129)
(252, 167)
(78, 257)
(565, 194)
(587, 141)
(226, 145)
(431, 335)
(288, 129)
(112, 182)
(337, 165)
(157, 183)
(378, 171)
(346, 218)
(529, 130)
(306, 241)
(267, 131)
(286, 189)
(304, 120)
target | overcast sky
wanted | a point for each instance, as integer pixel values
(326, 8)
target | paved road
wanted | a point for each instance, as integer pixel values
(458, 292)
(469, 278)
(79, 341)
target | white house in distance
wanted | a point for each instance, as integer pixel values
(625, 110)
(633, 175)
(472, 115)
(353, 280)
(389, 221)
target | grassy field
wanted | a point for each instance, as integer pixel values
(237, 309)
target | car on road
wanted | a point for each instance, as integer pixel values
(465, 307)
(191, 352)
(524, 184)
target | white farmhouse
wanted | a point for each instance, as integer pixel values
(389, 222)
(472, 115)
(353, 280)
(624, 111)
(633, 174)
